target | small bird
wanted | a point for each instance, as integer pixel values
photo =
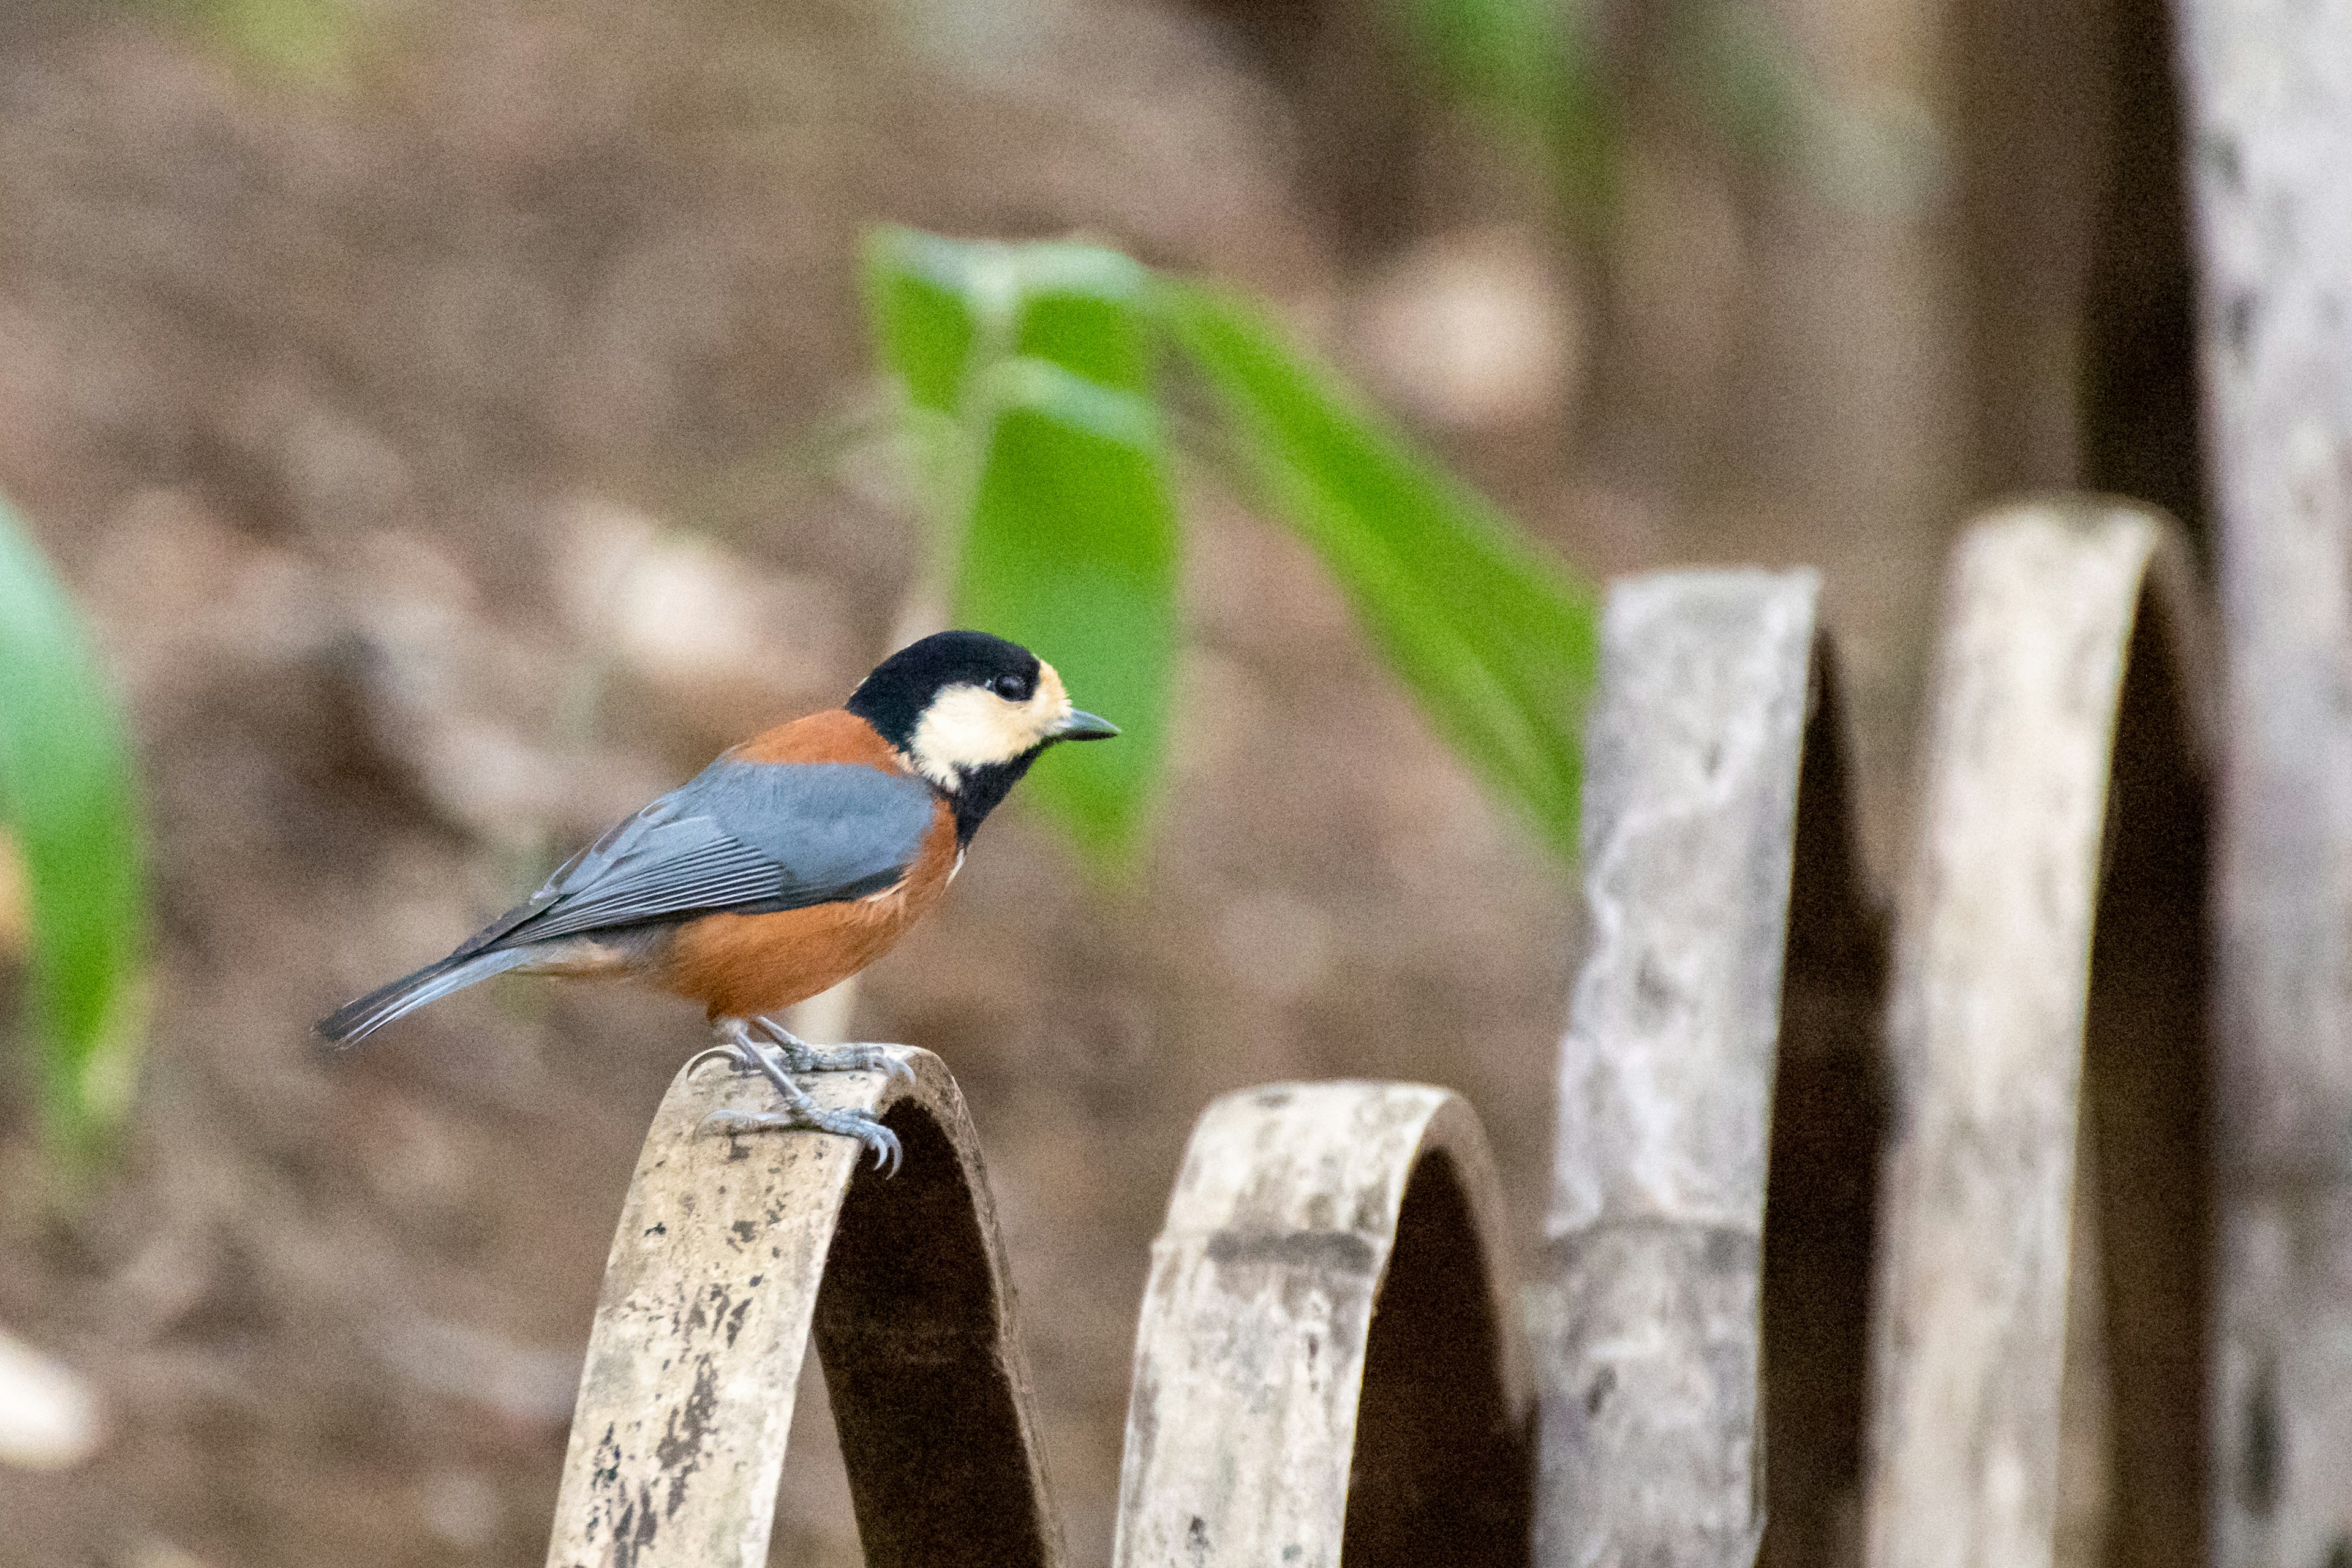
(785, 867)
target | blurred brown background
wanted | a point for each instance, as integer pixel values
(457, 422)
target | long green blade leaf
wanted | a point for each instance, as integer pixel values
(1026, 375)
(67, 798)
(921, 305)
(1497, 643)
(1072, 551)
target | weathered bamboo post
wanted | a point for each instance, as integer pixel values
(2049, 976)
(729, 1251)
(2269, 137)
(1727, 928)
(1329, 1359)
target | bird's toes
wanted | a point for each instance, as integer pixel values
(870, 1134)
(728, 1054)
(877, 1140)
(844, 1059)
(728, 1124)
(892, 1064)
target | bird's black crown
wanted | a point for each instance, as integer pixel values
(902, 687)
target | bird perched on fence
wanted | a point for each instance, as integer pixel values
(785, 867)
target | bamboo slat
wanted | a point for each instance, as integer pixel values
(1722, 893)
(1329, 1357)
(2268, 140)
(729, 1251)
(2062, 794)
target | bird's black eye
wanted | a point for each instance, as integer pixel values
(1012, 687)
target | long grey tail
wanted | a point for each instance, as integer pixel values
(355, 1021)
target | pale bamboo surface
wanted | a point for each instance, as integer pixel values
(1715, 716)
(729, 1251)
(2070, 645)
(1329, 1355)
(2266, 146)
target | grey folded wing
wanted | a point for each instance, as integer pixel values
(740, 838)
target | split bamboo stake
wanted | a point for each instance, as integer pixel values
(729, 1251)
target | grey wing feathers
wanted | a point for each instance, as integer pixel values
(741, 837)
(827, 826)
(579, 871)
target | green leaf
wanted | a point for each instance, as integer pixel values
(1026, 372)
(1497, 644)
(1072, 552)
(68, 797)
(942, 311)
(936, 308)
(923, 301)
(1088, 311)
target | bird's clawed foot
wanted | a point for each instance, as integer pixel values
(870, 1133)
(799, 1055)
(801, 1112)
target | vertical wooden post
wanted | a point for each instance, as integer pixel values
(729, 1251)
(2269, 96)
(1713, 759)
(2070, 651)
(1329, 1357)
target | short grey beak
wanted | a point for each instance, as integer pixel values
(1084, 726)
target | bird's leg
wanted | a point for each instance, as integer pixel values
(799, 1055)
(800, 1111)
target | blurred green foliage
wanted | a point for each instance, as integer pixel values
(304, 43)
(1759, 95)
(1033, 386)
(1494, 639)
(1538, 74)
(68, 802)
(1531, 71)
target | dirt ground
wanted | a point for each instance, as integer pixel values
(453, 455)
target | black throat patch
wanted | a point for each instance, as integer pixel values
(982, 789)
